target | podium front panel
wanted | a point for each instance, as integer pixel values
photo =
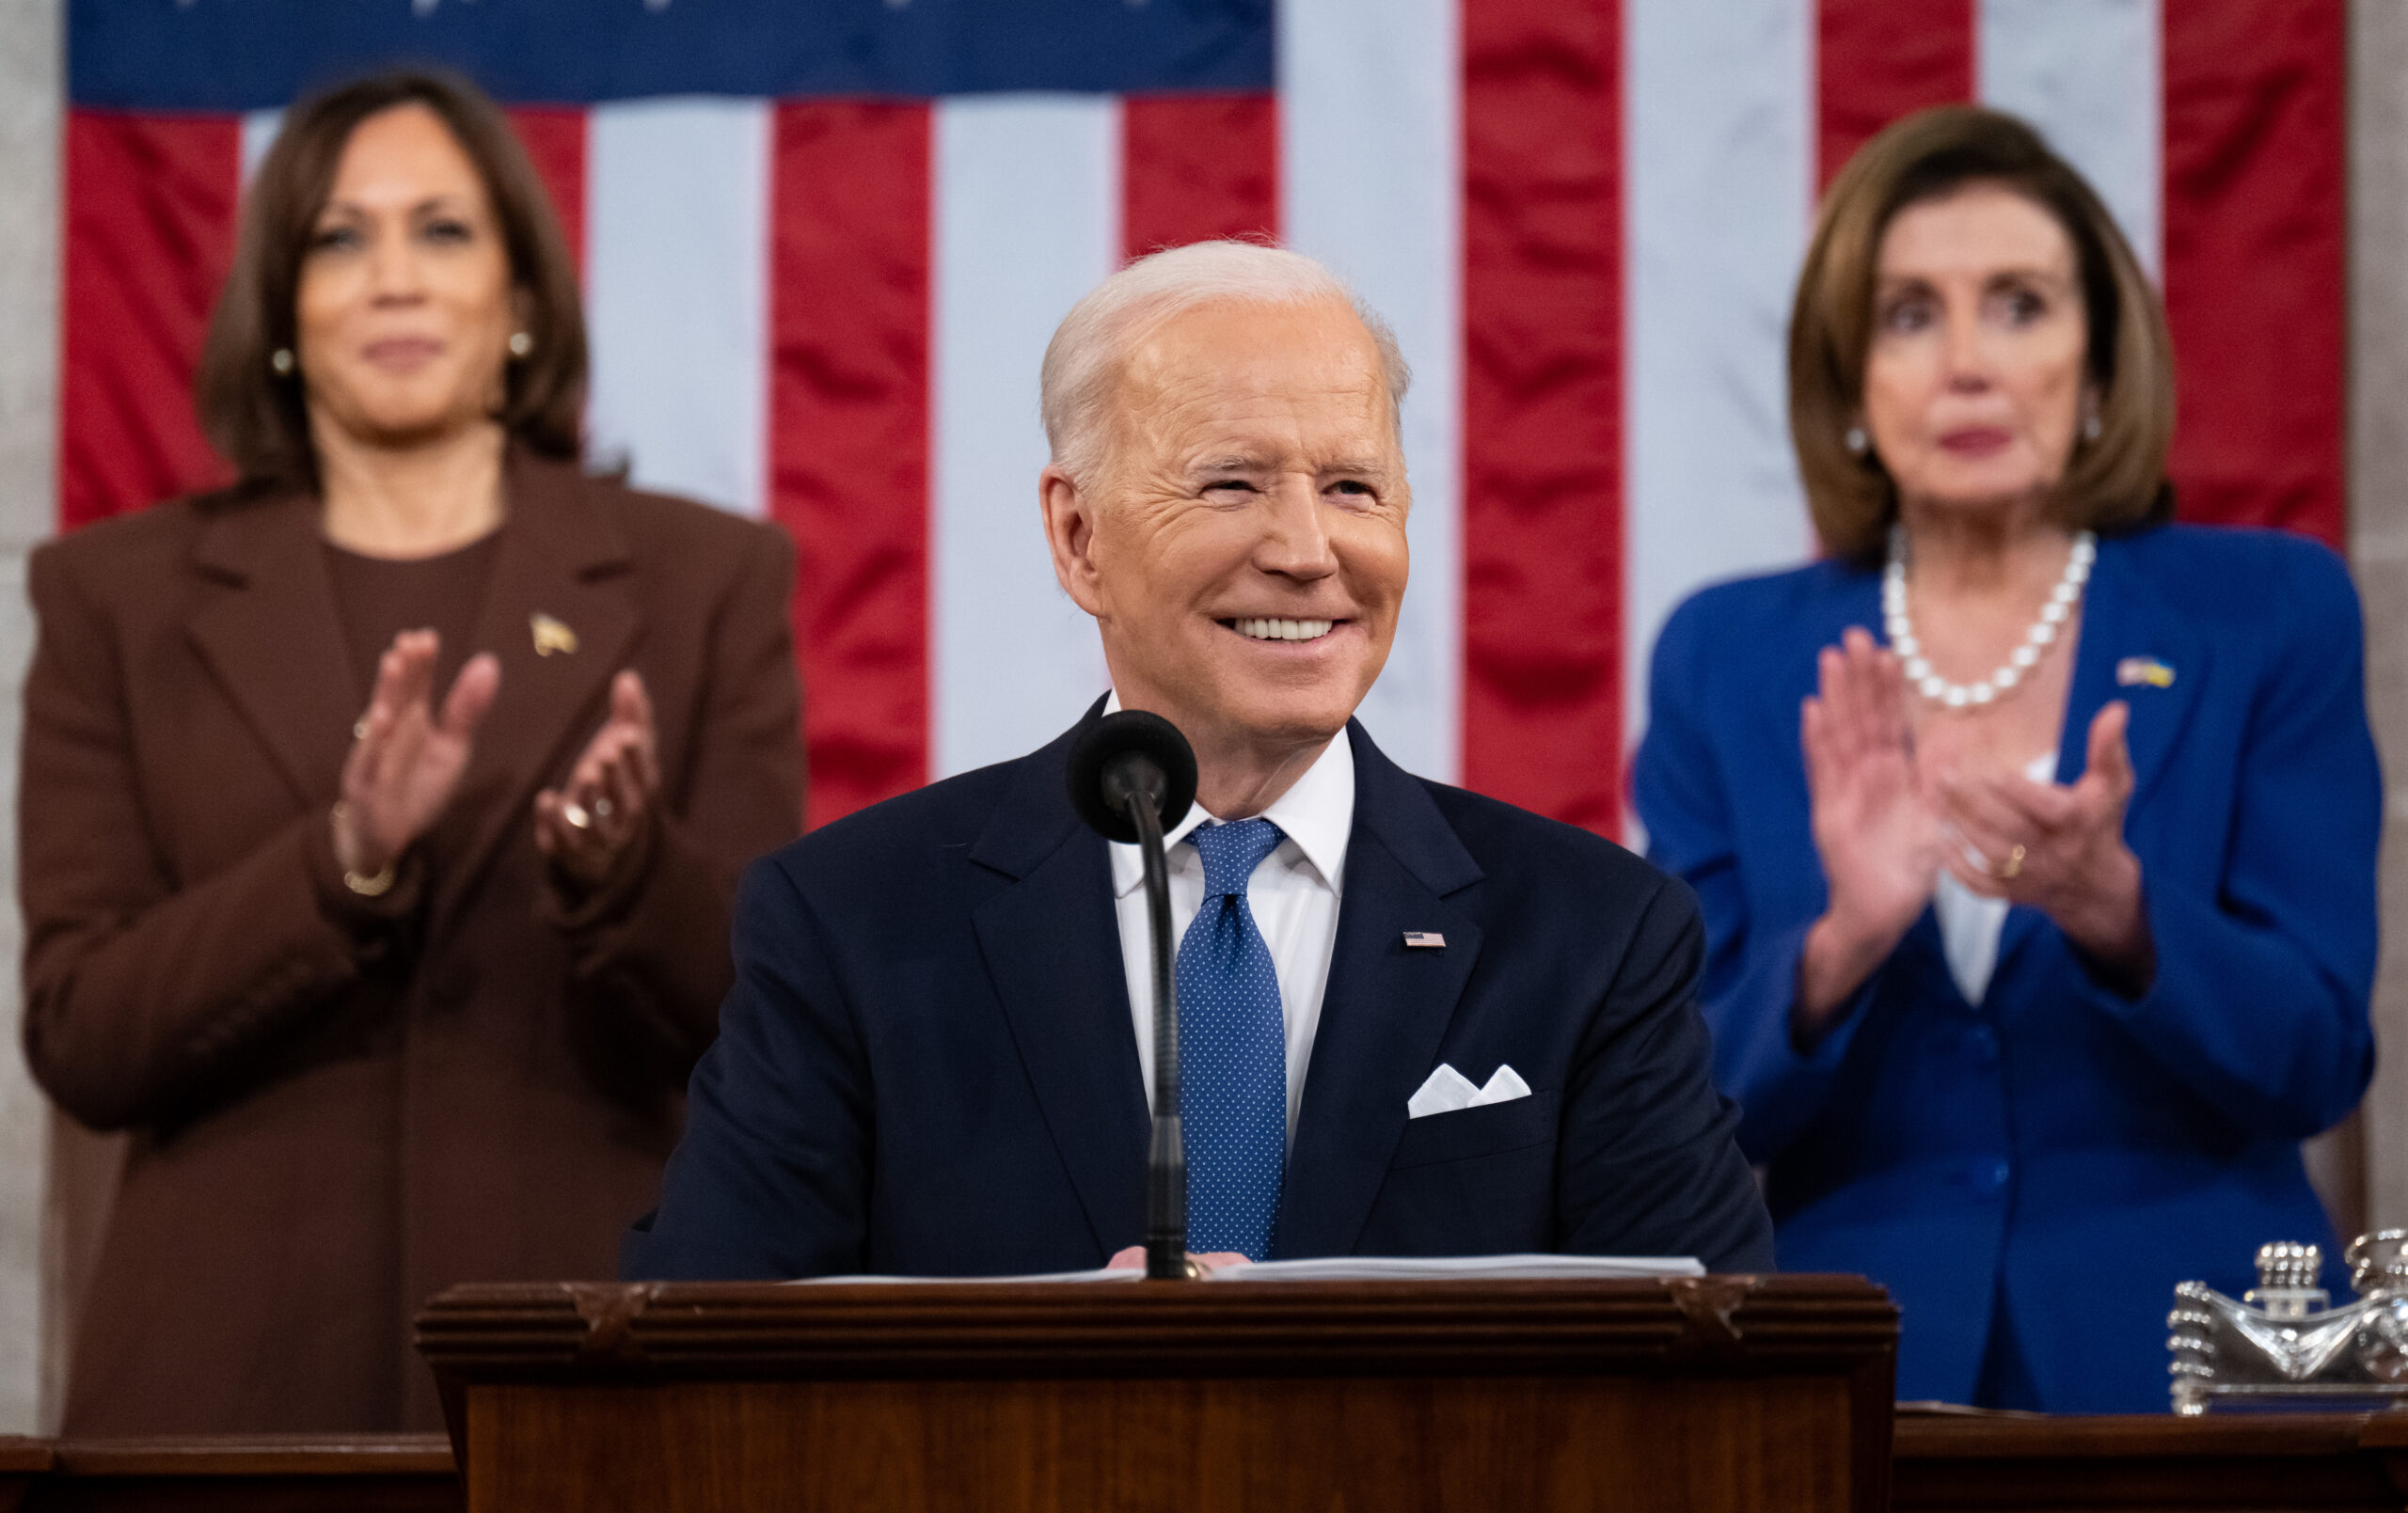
(1693, 1393)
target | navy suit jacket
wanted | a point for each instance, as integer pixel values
(2062, 1155)
(928, 1065)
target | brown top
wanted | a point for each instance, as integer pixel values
(341, 1106)
(380, 597)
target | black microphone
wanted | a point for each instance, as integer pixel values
(1132, 776)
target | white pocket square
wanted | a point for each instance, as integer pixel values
(1448, 1090)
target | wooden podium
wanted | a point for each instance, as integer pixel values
(1695, 1394)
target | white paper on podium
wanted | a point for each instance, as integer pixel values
(1371, 1269)
(1126, 1273)
(1465, 1267)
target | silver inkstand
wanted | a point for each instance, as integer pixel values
(2282, 1345)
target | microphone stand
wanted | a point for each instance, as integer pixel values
(1166, 1161)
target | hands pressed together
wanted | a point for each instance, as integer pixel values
(409, 756)
(1887, 823)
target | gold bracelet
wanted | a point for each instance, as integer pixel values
(375, 885)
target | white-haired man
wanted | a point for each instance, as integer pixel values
(1413, 1022)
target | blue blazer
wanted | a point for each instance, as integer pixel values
(2061, 1156)
(928, 1065)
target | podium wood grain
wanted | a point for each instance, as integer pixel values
(1695, 1394)
(214, 1474)
(2331, 1463)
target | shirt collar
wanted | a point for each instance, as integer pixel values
(1316, 812)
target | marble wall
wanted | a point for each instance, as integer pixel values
(2379, 530)
(31, 63)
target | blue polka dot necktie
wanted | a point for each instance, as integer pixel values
(1232, 1052)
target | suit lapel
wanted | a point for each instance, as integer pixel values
(1051, 945)
(270, 632)
(2126, 627)
(2126, 621)
(1384, 1010)
(564, 559)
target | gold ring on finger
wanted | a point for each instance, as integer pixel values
(2013, 865)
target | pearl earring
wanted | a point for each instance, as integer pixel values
(1855, 440)
(2091, 427)
(521, 344)
(281, 360)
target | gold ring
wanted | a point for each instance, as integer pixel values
(2013, 865)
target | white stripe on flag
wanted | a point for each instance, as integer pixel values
(676, 282)
(1370, 179)
(1720, 163)
(1027, 219)
(260, 129)
(2087, 73)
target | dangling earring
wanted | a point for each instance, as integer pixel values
(521, 344)
(281, 360)
(1855, 440)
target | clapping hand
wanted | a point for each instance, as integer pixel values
(2060, 849)
(408, 758)
(586, 824)
(1873, 825)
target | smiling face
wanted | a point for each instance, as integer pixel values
(404, 308)
(1242, 546)
(1976, 382)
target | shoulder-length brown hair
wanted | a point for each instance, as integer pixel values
(2117, 480)
(253, 415)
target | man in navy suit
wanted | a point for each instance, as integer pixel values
(1413, 1022)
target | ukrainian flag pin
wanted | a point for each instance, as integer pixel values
(551, 634)
(2134, 670)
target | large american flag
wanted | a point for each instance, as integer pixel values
(824, 242)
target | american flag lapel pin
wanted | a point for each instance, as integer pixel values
(551, 634)
(1424, 940)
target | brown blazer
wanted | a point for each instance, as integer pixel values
(337, 1106)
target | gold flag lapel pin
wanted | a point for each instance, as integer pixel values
(551, 634)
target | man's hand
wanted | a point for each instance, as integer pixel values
(1134, 1259)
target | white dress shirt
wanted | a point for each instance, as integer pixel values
(1293, 895)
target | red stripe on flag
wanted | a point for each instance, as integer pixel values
(849, 312)
(2255, 145)
(1876, 60)
(1543, 465)
(554, 136)
(150, 234)
(1196, 167)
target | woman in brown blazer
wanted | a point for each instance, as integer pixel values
(392, 999)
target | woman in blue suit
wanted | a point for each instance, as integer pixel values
(2039, 952)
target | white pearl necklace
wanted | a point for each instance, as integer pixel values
(2060, 607)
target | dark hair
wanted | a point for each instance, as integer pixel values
(254, 415)
(2117, 480)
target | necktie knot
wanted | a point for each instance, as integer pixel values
(1231, 852)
